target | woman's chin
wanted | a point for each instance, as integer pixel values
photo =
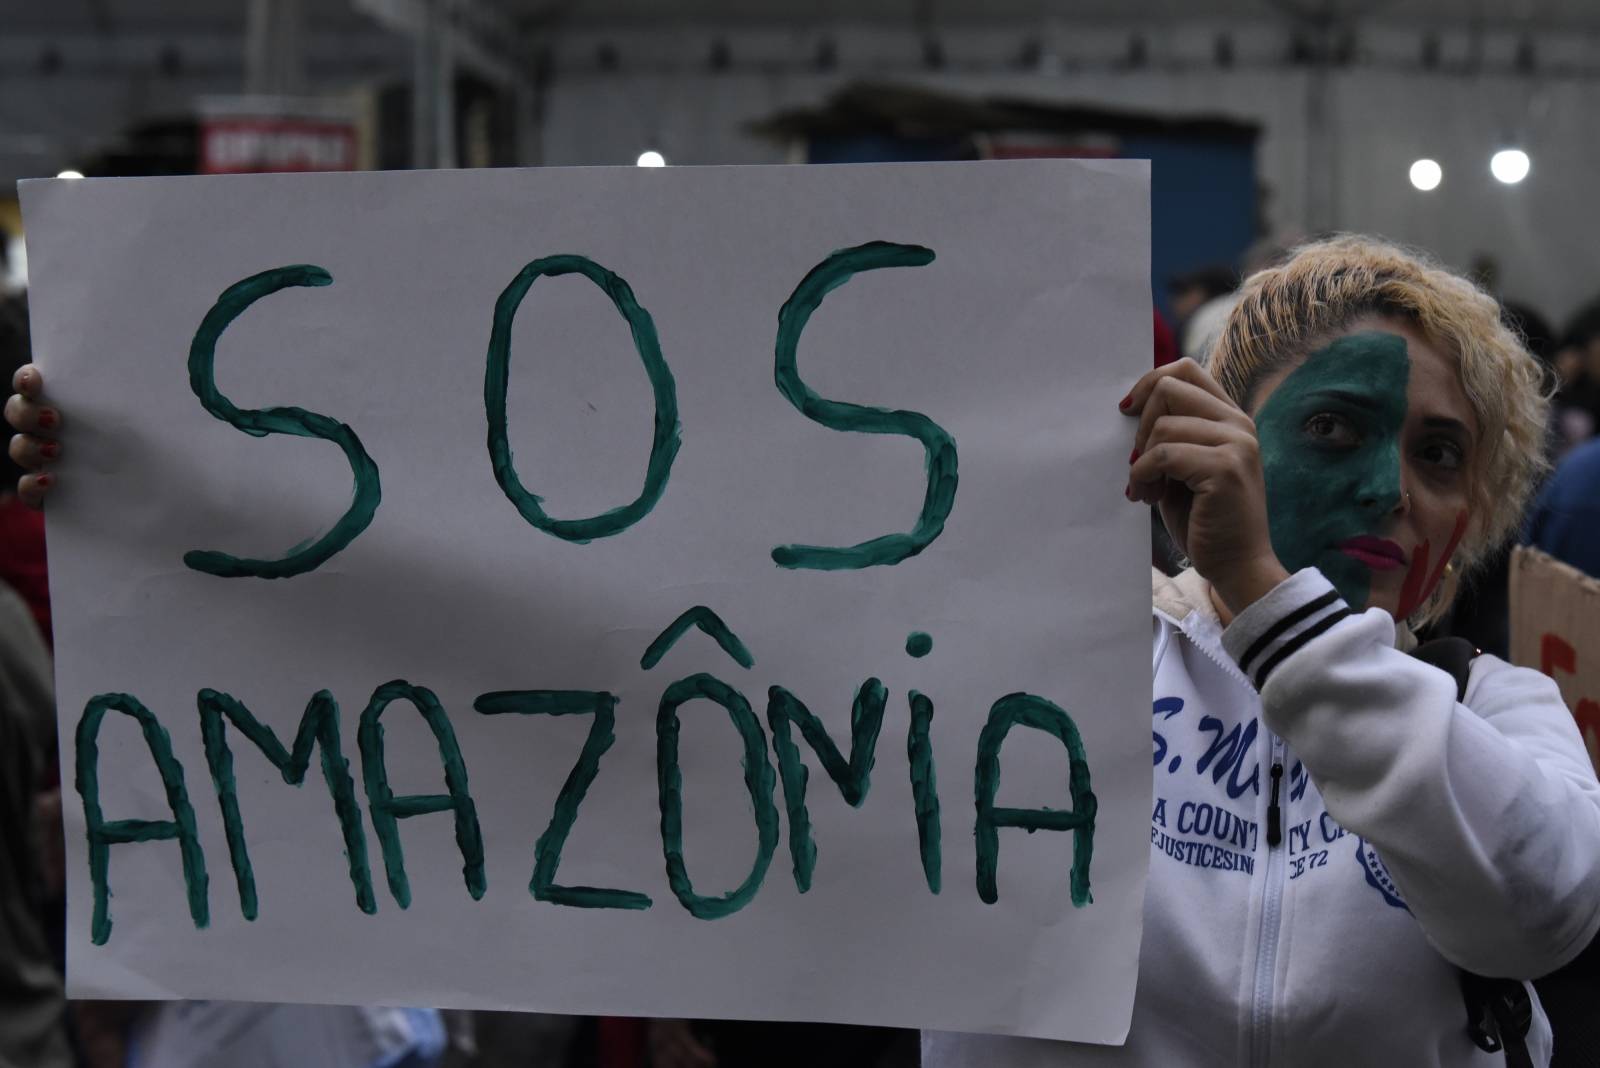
(1380, 596)
(1375, 593)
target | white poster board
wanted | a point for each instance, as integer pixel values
(1555, 628)
(958, 337)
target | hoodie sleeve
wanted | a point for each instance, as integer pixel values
(1487, 814)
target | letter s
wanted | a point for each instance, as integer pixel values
(940, 495)
(259, 423)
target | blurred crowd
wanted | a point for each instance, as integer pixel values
(40, 1029)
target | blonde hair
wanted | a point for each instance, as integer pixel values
(1286, 311)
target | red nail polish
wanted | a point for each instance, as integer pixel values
(44, 481)
(1125, 402)
(47, 419)
(1127, 491)
(1134, 455)
(49, 450)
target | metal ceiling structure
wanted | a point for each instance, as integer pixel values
(66, 64)
(77, 75)
(25, 19)
(1574, 14)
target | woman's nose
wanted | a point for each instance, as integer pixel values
(1382, 489)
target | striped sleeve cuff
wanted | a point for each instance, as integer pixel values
(1297, 610)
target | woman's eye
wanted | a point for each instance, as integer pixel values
(1330, 429)
(1446, 455)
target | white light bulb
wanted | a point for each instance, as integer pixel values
(70, 174)
(1510, 165)
(652, 158)
(1426, 174)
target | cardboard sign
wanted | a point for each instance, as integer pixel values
(677, 593)
(1555, 627)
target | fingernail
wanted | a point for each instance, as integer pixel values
(50, 450)
(1127, 491)
(44, 481)
(1125, 402)
(1132, 456)
(47, 418)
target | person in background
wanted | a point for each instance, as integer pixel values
(1187, 292)
(1576, 415)
(22, 556)
(32, 999)
(214, 1034)
(1166, 343)
(33, 1032)
(1204, 299)
(1565, 520)
(1200, 301)
(755, 1044)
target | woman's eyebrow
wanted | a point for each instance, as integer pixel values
(1445, 422)
(1358, 400)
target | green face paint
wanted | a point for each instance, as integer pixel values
(1330, 451)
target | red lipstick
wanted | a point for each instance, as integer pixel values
(1377, 553)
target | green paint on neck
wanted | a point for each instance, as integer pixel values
(1330, 451)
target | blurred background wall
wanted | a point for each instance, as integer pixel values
(1344, 95)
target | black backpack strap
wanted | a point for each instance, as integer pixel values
(1453, 656)
(1499, 1011)
(1499, 1014)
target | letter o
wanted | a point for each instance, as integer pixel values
(664, 441)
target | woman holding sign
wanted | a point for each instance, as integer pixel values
(1346, 840)
(1356, 855)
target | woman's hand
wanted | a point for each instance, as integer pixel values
(1196, 457)
(35, 446)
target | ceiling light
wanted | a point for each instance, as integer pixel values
(1510, 165)
(1426, 174)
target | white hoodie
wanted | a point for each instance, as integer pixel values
(1419, 837)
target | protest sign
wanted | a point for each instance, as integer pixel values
(1555, 627)
(693, 592)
